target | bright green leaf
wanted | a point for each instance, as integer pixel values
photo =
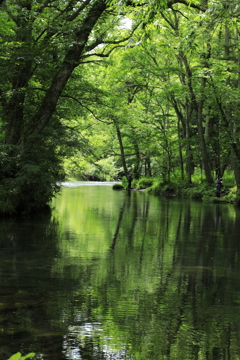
(16, 356)
(28, 356)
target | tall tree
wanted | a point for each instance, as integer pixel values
(45, 43)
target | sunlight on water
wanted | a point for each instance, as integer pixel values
(87, 183)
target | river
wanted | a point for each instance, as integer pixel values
(121, 275)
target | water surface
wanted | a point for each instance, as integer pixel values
(121, 275)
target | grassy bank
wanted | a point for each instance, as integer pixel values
(198, 190)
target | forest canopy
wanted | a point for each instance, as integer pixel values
(93, 88)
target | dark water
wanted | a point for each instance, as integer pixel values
(121, 275)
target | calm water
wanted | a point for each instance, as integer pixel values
(121, 275)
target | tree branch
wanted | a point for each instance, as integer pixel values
(99, 40)
(170, 3)
(77, 12)
(101, 54)
(85, 107)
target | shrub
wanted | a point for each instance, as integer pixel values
(124, 182)
(117, 187)
(144, 183)
(197, 195)
(156, 187)
(29, 177)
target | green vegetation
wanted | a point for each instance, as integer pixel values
(19, 356)
(118, 187)
(92, 89)
(197, 190)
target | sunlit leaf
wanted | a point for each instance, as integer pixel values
(16, 356)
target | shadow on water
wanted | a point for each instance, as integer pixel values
(121, 275)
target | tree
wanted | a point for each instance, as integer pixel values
(45, 44)
(172, 84)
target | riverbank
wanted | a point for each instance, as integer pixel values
(198, 191)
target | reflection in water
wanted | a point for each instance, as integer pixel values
(121, 275)
(217, 217)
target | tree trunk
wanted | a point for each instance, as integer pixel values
(198, 108)
(205, 157)
(137, 162)
(70, 62)
(148, 170)
(190, 164)
(180, 150)
(22, 70)
(236, 169)
(121, 148)
(233, 124)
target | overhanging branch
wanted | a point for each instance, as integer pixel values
(87, 108)
(100, 41)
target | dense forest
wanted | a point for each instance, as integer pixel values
(92, 88)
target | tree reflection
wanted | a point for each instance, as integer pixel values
(28, 250)
(167, 286)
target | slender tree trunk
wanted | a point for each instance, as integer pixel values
(236, 169)
(180, 151)
(181, 130)
(206, 162)
(121, 148)
(185, 121)
(148, 170)
(198, 107)
(137, 162)
(190, 165)
(237, 160)
(232, 123)
(236, 129)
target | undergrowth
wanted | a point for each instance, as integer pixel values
(198, 190)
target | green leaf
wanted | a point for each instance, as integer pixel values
(28, 356)
(16, 356)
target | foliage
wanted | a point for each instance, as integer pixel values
(44, 47)
(198, 191)
(19, 356)
(118, 187)
(124, 182)
(128, 85)
(144, 183)
(28, 180)
(229, 195)
(162, 188)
